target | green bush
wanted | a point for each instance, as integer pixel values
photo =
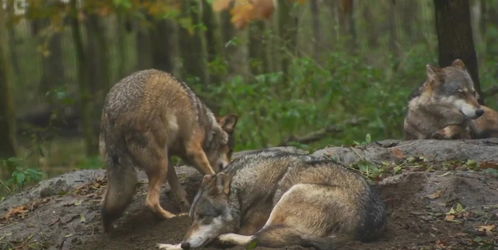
(273, 107)
(21, 175)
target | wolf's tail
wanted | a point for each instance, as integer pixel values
(121, 178)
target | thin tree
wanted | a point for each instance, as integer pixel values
(7, 118)
(85, 102)
(454, 33)
(287, 30)
(193, 43)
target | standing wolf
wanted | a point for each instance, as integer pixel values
(147, 117)
(276, 199)
(446, 107)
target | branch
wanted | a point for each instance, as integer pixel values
(490, 92)
(321, 133)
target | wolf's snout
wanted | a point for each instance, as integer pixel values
(185, 245)
(479, 112)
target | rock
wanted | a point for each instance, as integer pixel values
(482, 150)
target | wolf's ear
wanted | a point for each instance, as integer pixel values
(228, 122)
(223, 181)
(434, 74)
(458, 63)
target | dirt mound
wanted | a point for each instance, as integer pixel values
(427, 210)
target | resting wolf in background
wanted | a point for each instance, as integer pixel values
(446, 107)
(277, 199)
(147, 117)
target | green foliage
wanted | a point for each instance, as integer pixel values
(21, 174)
(125, 4)
(314, 96)
(91, 163)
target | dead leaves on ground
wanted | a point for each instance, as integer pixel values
(23, 210)
(92, 190)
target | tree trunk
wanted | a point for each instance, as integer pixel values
(347, 23)
(234, 48)
(7, 117)
(455, 42)
(53, 74)
(287, 28)
(257, 48)
(193, 44)
(97, 56)
(144, 45)
(394, 34)
(14, 60)
(162, 37)
(317, 32)
(121, 37)
(214, 40)
(85, 100)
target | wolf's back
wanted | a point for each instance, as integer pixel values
(274, 171)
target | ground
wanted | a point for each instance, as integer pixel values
(432, 208)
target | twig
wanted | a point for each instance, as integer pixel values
(321, 133)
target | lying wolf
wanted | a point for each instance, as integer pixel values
(276, 199)
(147, 117)
(446, 107)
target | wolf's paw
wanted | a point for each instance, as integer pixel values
(184, 205)
(169, 246)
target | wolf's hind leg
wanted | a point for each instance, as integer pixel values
(309, 215)
(177, 189)
(121, 183)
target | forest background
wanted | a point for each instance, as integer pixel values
(307, 73)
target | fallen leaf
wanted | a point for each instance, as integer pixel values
(486, 228)
(398, 153)
(20, 210)
(488, 164)
(450, 218)
(435, 195)
(441, 244)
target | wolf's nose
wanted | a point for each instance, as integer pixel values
(185, 245)
(479, 112)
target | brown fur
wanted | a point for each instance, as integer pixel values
(486, 125)
(147, 117)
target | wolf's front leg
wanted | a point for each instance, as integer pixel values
(236, 239)
(199, 158)
(169, 246)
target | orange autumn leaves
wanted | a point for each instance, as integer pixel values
(245, 11)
